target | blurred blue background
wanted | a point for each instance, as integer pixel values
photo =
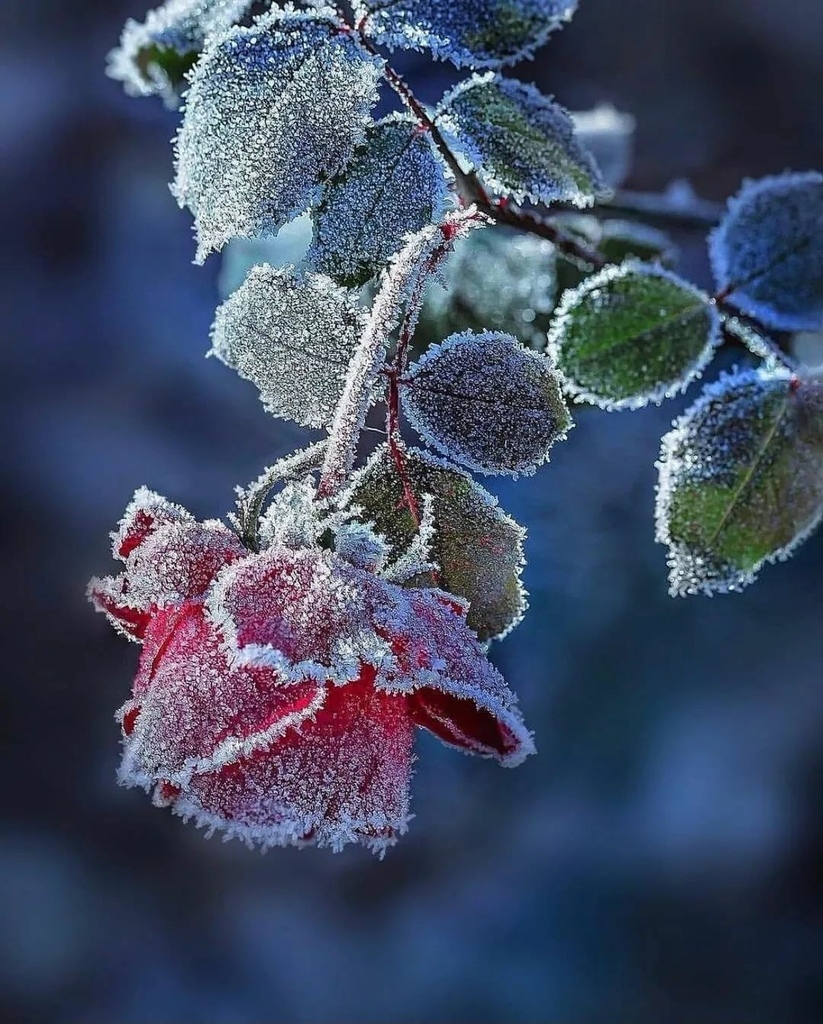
(661, 860)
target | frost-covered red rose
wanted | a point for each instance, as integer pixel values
(278, 691)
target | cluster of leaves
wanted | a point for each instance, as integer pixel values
(529, 305)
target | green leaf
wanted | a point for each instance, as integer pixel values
(394, 186)
(632, 334)
(497, 280)
(519, 142)
(487, 402)
(741, 479)
(477, 547)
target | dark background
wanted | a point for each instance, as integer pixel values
(659, 861)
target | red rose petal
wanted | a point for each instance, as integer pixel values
(196, 711)
(461, 723)
(341, 778)
(456, 692)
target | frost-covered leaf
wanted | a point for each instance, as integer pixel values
(496, 279)
(519, 142)
(487, 402)
(741, 480)
(291, 336)
(470, 33)
(395, 185)
(154, 56)
(609, 136)
(289, 245)
(273, 110)
(477, 547)
(632, 334)
(767, 254)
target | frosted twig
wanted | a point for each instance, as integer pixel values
(401, 285)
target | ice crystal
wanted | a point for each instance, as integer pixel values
(519, 142)
(293, 337)
(741, 480)
(470, 33)
(632, 334)
(395, 185)
(496, 279)
(273, 110)
(609, 136)
(487, 402)
(477, 548)
(154, 56)
(768, 251)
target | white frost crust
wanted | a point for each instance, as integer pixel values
(271, 112)
(293, 336)
(415, 25)
(401, 286)
(229, 751)
(519, 436)
(564, 317)
(417, 558)
(147, 505)
(294, 827)
(690, 574)
(448, 657)
(178, 25)
(331, 600)
(542, 182)
(780, 186)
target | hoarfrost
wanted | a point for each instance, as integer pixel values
(273, 110)
(519, 142)
(487, 402)
(632, 334)
(293, 337)
(154, 56)
(741, 480)
(394, 186)
(455, 691)
(303, 613)
(192, 712)
(767, 253)
(343, 777)
(401, 289)
(470, 33)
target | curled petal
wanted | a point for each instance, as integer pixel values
(192, 712)
(179, 562)
(455, 691)
(342, 777)
(146, 512)
(304, 613)
(110, 595)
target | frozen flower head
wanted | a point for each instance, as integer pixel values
(278, 691)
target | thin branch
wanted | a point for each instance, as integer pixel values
(660, 210)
